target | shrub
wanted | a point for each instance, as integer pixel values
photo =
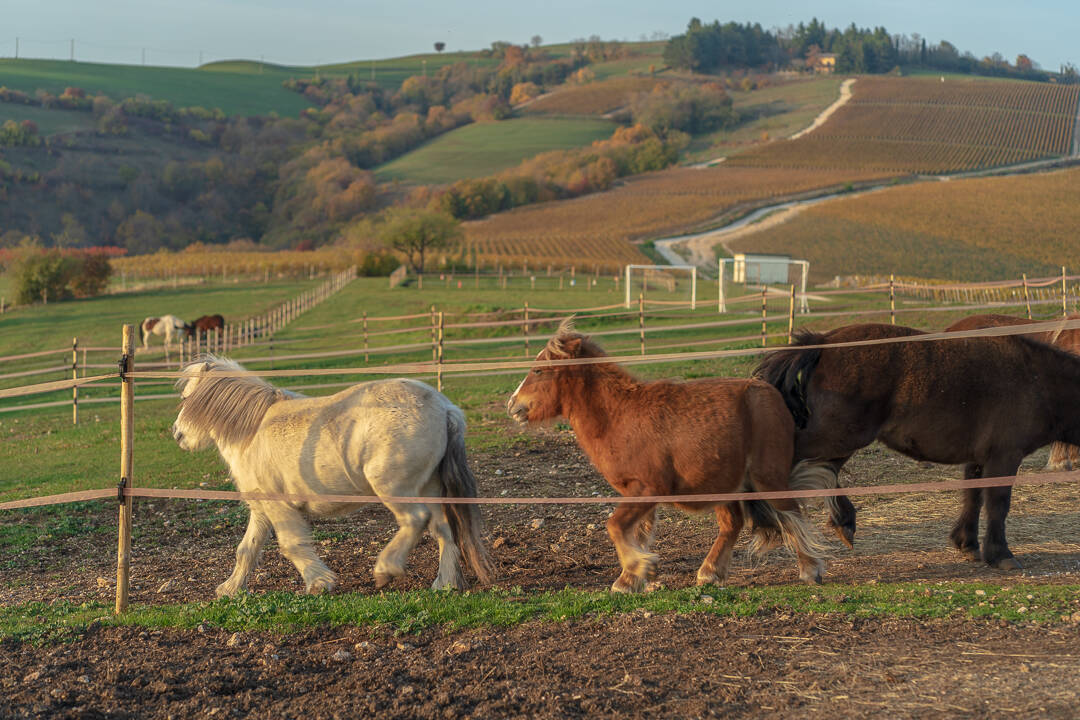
(92, 275)
(42, 276)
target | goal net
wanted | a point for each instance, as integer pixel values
(672, 284)
(746, 274)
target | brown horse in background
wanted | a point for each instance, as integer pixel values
(1063, 456)
(676, 438)
(982, 402)
(205, 324)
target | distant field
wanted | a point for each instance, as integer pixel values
(487, 148)
(668, 202)
(49, 122)
(924, 125)
(771, 113)
(236, 93)
(595, 98)
(975, 229)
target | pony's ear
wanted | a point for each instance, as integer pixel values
(564, 347)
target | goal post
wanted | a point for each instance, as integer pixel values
(661, 272)
(761, 270)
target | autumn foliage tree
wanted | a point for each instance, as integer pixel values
(414, 233)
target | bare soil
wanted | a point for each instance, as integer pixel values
(772, 665)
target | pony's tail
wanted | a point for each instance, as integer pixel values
(142, 332)
(458, 481)
(789, 372)
(772, 527)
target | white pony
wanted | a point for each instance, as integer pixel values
(388, 438)
(168, 325)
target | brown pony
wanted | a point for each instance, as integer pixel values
(1063, 456)
(205, 324)
(667, 438)
(981, 402)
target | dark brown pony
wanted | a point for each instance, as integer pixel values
(981, 402)
(205, 324)
(1063, 456)
(674, 438)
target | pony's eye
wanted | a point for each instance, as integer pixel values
(536, 371)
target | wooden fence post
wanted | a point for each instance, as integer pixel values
(641, 319)
(438, 367)
(1064, 295)
(1027, 298)
(764, 315)
(75, 376)
(892, 300)
(127, 430)
(791, 316)
(525, 327)
(365, 337)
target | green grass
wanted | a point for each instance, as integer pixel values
(236, 93)
(410, 612)
(49, 122)
(98, 320)
(487, 148)
(770, 113)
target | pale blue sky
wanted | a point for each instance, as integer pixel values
(323, 31)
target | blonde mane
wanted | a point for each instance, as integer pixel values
(231, 408)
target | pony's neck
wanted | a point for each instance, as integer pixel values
(594, 412)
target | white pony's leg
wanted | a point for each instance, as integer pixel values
(411, 520)
(168, 340)
(449, 556)
(247, 553)
(294, 539)
(145, 337)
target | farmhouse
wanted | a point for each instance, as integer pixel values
(825, 63)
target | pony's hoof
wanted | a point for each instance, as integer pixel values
(1007, 564)
(707, 579)
(970, 554)
(812, 575)
(628, 584)
(226, 590)
(321, 585)
(382, 580)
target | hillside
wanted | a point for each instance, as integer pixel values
(934, 125)
(235, 93)
(973, 229)
(487, 148)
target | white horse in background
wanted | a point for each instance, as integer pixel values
(388, 438)
(168, 325)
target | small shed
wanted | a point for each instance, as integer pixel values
(761, 269)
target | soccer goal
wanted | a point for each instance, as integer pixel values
(757, 271)
(671, 282)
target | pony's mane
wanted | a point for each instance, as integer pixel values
(230, 407)
(556, 346)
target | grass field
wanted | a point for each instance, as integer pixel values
(595, 98)
(483, 149)
(973, 229)
(49, 122)
(236, 93)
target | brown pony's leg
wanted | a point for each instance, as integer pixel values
(638, 564)
(842, 510)
(729, 519)
(965, 534)
(996, 551)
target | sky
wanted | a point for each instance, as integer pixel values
(306, 32)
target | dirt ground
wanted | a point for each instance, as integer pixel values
(634, 665)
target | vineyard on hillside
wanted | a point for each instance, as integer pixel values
(596, 98)
(598, 229)
(925, 125)
(975, 229)
(231, 264)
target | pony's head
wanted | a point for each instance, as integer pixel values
(217, 406)
(543, 393)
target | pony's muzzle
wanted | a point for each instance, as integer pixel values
(519, 411)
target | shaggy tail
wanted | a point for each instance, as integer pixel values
(142, 332)
(772, 527)
(458, 481)
(789, 372)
